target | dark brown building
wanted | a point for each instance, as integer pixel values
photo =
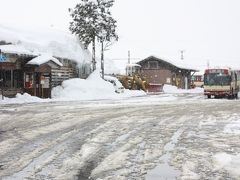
(159, 72)
(35, 74)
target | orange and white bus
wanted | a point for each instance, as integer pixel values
(221, 83)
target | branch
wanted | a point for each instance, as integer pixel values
(108, 44)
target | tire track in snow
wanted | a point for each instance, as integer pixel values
(39, 154)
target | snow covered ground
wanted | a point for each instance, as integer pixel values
(188, 136)
(174, 90)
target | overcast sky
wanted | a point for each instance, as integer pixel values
(207, 30)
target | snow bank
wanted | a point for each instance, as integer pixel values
(22, 98)
(174, 90)
(94, 87)
(37, 41)
(228, 162)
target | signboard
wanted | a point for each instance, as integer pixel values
(42, 78)
(46, 83)
(2, 58)
(216, 71)
(168, 80)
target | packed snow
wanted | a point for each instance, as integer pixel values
(120, 139)
(174, 90)
(228, 162)
(233, 127)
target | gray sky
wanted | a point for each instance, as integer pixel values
(204, 29)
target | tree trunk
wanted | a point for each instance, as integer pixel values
(102, 59)
(93, 55)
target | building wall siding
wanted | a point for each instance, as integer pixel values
(156, 76)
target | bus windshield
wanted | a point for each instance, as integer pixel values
(217, 79)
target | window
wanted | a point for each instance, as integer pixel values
(153, 64)
(6, 78)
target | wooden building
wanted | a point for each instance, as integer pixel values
(159, 72)
(22, 71)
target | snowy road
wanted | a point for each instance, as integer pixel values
(154, 137)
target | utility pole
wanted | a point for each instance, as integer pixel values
(1, 80)
(182, 55)
(208, 64)
(1, 86)
(129, 60)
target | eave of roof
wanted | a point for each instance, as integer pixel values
(169, 62)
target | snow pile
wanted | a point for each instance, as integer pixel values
(174, 90)
(37, 41)
(94, 87)
(228, 162)
(116, 83)
(22, 98)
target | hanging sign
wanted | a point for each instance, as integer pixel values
(2, 58)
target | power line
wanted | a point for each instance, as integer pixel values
(119, 59)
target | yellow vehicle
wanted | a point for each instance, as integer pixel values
(133, 79)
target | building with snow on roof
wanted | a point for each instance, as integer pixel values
(159, 71)
(36, 60)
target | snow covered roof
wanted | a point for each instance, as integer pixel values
(42, 59)
(199, 73)
(37, 41)
(16, 49)
(131, 65)
(177, 64)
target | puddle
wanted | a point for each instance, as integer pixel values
(164, 171)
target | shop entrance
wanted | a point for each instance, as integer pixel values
(38, 84)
